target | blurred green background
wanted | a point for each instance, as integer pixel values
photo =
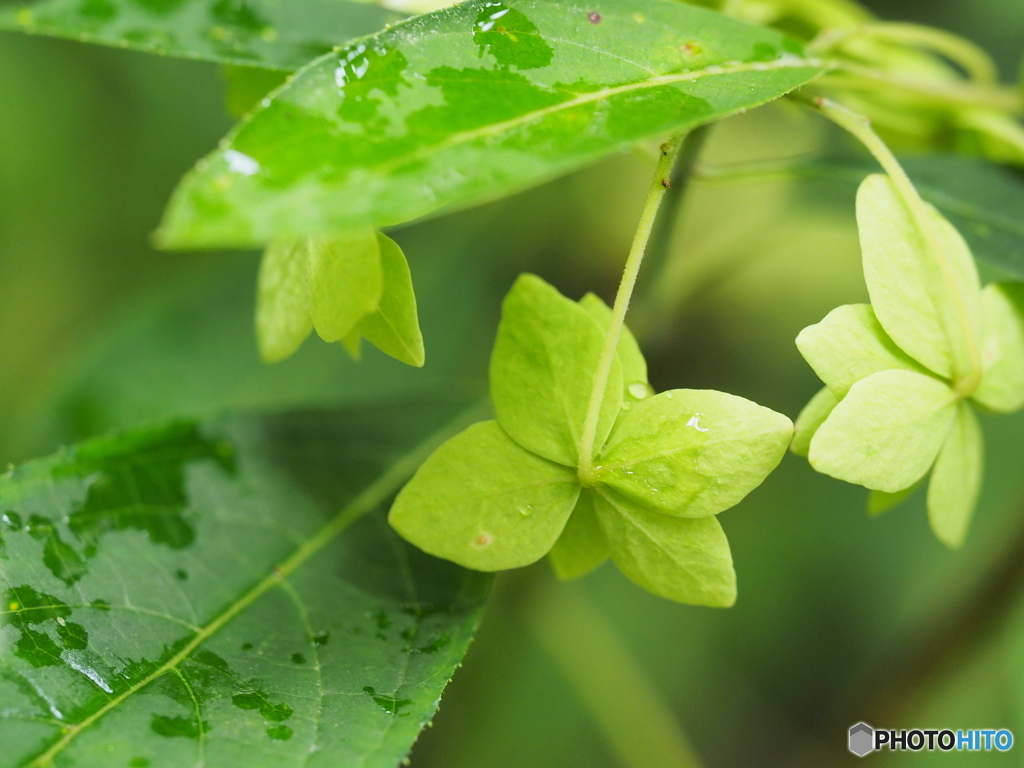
(840, 617)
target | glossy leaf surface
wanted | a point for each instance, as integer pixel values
(255, 33)
(212, 594)
(470, 103)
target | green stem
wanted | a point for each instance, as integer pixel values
(659, 186)
(650, 307)
(847, 75)
(962, 338)
(973, 59)
(637, 721)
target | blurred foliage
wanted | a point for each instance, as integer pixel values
(97, 330)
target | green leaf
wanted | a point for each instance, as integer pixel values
(909, 292)
(682, 559)
(849, 345)
(582, 546)
(542, 371)
(811, 417)
(394, 328)
(254, 33)
(345, 281)
(631, 359)
(283, 316)
(956, 479)
(471, 103)
(693, 453)
(886, 432)
(1002, 348)
(225, 594)
(486, 503)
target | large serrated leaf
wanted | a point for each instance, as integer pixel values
(223, 594)
(471, 103)
(256, 33)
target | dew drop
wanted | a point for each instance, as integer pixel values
(298, 658)
(638, 390)
(526, 510)
(669, 395)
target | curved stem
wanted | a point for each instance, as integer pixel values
(633, 715)
(659, 185)
(951, 92)
(970, 57)
(962, 338)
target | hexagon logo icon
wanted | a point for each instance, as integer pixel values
(862, 739)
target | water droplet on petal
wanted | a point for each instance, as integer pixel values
(638, 390)
(526, 510)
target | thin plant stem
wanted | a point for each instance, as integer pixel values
(638, 723)
(659, 261)
(843, 74)
(659, 186)
(970, 57)
(962, 338)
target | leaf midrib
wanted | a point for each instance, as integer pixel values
(486, 131)
(366, 501)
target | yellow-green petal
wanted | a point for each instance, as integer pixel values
(811, 417)
(849, 345)
(582, 546)
(484, 502)
(886, 432)
(682, 559)
(911, 294)
(283, 319)
(542, 371)
(956, 479)
(345, 281)
(394, 328)
(1002, 348)
(693, 453)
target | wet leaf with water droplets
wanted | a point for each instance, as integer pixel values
(254, 33)
(291, 607)
(470, 103)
